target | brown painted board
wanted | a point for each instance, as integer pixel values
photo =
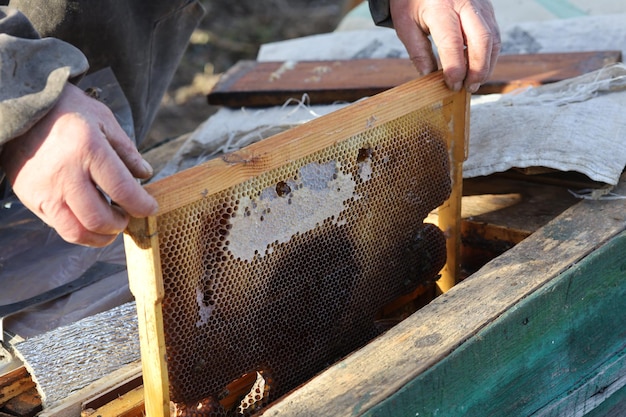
(253, 84)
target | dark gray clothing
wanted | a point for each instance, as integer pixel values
(33, 73)
(141, 41)
(380, 12)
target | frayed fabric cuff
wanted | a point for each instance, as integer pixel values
(34, 73)
(381, 15)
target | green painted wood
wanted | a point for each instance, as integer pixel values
(568, 337)
(596, 393)
(384, 367)
(615, 406)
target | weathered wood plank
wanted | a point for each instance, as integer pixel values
(606, 386)
(130, 404)
(14, 383)
(612, 407)
(382, 368)
(27, 404)
(251, 83)
(559, 352)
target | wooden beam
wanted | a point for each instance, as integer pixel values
(130, 404)
(144, 266)
(234, 168)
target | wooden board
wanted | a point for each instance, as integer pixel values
(27, 404)
(554, 354)
(129, 404)
(251, 83)
(559, 294)
(13, 384)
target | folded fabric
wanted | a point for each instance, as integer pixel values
(573, 125)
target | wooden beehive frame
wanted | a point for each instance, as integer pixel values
(142, 239)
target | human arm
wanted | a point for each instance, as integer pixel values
(60, 147)
(59, 167)
(465, 33)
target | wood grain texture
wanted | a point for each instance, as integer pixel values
(453, 322)
(146, 284)
(14, 383)
(233, 168)
(251, 83)
(130, 404)
(449, 213)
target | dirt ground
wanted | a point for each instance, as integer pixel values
(231, 31)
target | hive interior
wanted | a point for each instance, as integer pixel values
(274, 277)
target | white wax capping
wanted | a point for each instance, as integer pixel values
(318, 194)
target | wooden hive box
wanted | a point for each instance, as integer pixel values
(538, 331)
(273, 261)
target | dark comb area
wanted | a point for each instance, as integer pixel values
(282, 275)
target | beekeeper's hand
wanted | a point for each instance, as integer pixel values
(465, 33)
(60, 166)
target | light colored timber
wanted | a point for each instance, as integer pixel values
(144, 266)
(449, 214)
(72, 405)
(233, 168)
(130, 404)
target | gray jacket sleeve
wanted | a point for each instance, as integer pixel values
(33, 73)
(380, 12)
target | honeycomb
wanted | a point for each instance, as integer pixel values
(275, 278)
